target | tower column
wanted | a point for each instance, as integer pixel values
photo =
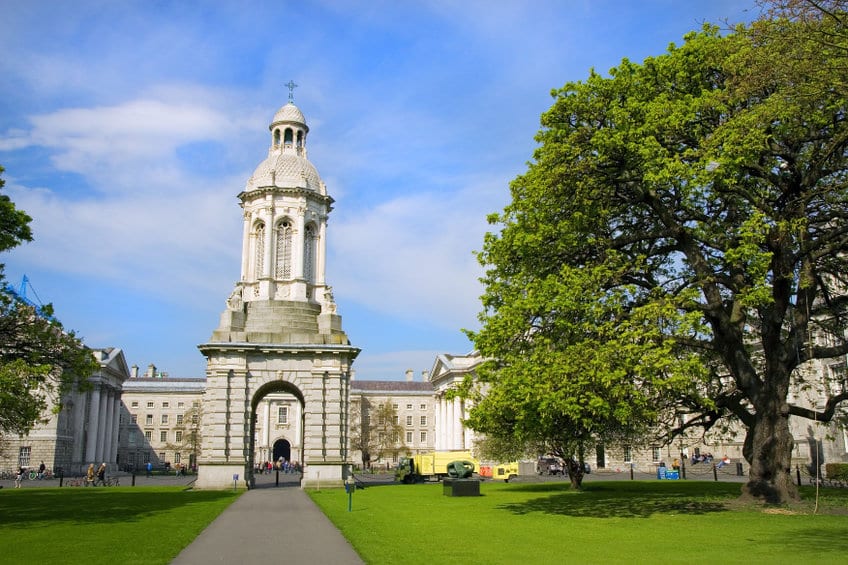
(245, 246)
(268, 216)
(321, 252)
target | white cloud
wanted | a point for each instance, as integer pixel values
(384, 366)
(411, 256)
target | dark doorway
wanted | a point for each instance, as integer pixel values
(282, 448)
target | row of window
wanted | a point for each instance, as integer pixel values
(164, 419)
(163, 436)
(422, 437)
(421, 406)
(165, 404)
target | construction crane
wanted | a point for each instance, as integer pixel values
(20, 294)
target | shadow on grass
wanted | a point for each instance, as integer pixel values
(97, 506)
(622, 500)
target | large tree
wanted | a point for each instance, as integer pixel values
(39, 360)
(679, 245)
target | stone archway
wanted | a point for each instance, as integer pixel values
(282, 450)
(317, 375)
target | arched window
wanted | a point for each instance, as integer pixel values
(276, 138)
(284, 250)
(259, 250)
(289, 136)
(309, 240)
(299, 138)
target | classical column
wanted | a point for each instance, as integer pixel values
(93, 421)
(110, 428)
(101, 427)
(457, 424)
(116, 410)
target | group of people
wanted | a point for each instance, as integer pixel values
(98, 477)
(281, 465)
(701, 458)
(22, 471)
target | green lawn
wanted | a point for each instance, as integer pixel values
(121, 525)
(610, 522)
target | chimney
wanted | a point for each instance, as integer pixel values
(134, 372)
(425, 376)
(151, 371)
(409, 375)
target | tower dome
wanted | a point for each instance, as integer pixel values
(287, 165)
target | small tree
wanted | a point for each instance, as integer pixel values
(376, 432)
(190, 434)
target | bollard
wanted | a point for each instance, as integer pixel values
(133, 480)
(798, 474)
(631, 471)
(715, 473)
(277, 483)
(683, 469)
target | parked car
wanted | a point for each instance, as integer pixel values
(549, 466)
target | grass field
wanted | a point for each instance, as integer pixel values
(610, 522)
(95, 526)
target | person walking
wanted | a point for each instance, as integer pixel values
(41, 469)
(89, 475)
(19, 477)
(149, 468)
(101, 475)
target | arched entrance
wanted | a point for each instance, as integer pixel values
(282, 450)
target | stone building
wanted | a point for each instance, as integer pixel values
(413, 405)
(84, 431)
(815, 443)
(160, 421)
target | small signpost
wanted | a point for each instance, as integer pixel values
(350, 486)
(235, 481)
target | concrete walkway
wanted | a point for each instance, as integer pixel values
(270, 525)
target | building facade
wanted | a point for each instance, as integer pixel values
(83, 432)
(160, 421)
(411, 405)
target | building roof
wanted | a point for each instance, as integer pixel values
(391, 387)
(148, 385)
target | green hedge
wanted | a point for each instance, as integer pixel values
(837, 471)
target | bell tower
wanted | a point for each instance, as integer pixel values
(280, 331)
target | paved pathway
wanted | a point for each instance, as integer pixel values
(270, 525)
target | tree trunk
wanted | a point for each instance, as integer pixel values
(768, 449)
(575, 472)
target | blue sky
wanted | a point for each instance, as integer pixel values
(128, 128)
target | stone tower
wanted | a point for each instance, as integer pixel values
(280, 331)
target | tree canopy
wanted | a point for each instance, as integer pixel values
(39, 359)
(678, 245)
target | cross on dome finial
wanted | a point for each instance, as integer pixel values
(291, 85)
